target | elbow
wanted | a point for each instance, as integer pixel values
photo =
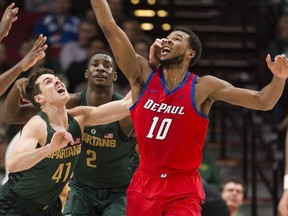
(8, 119)
(266, 107)
(10, 166)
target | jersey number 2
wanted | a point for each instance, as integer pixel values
(163, 129)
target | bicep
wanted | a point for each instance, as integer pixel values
(226, 92)
(106, 113)
(124, 53)
(30, 136)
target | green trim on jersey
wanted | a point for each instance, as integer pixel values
(44, 182)
(106, 159)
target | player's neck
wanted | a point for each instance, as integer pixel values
(173, 77)
(57, 116)
(99, 96)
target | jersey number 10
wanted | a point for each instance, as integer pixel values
(163, 129)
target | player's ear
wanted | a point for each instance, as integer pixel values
(115, 76)
(191, 53)
(38, 98)
(86, 74)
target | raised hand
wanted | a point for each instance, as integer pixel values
(8, 18)
(21, 85)
(60, 140)
(35, 54)
(155, 52)
(279, 67)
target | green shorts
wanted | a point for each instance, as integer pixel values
(87, 202)
(14, 205)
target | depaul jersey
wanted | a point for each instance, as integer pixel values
(44, 182)
(107, 156)
(169, 129)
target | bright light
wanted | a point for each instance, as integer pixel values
(144, 13)
(162, 13)
(135, 2)
(147, 26)
(151, 2)
(166, 27)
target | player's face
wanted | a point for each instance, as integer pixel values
(233, 195)
(53, 91)
(174, 48)
(100, 71)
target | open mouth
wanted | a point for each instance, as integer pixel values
(61, 89)
(165, 50)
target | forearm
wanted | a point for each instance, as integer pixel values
(24, 160)
(271, 93)
(15, 113)
(8, 77)
(11, 105)
(2, 35)
(103, 14)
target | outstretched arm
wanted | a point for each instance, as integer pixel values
(104, 114)
(25, 154)
(135, 67)
(8, 18)
(13, 112)
(265, 99)
(34, 55)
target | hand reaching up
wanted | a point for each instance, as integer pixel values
(8, 18)
(279, 67)
(155, 52)
(35, 54)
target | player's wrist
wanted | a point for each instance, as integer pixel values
(285, 182)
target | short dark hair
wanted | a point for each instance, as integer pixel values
(104, 53)
(234, 180)
(195, 43)
(32, 88)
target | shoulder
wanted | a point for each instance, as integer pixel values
(211, 81)
(36, 125)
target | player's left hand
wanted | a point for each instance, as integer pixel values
(35, 54)
(279, 66)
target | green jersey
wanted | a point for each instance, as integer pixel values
(107, 156)
(44, 182)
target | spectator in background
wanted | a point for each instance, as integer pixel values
(232, 191)
(76, 51)
(37, 5)
(59, 25)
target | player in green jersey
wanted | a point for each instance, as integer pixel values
(108, 158)
(42, 161)
(105, 165)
